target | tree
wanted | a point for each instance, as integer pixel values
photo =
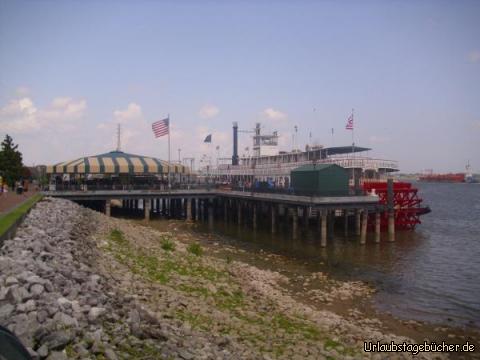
(10, 161)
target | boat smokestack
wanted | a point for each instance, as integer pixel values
(235, 144)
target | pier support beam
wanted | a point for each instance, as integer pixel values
(108, 206)
(331, 223)
(254, 216)
(357, 222)
(323, 238)
(377, 226)
(294, 221)
(363, 237)
(305, 216)
(391, 211)
(225, 210)
(273, 211)
(391, 226)
(197, 210)
(146, 205)
(189, 209)
(345, 222)
(210, 214)
(239, 212)
(319, 219)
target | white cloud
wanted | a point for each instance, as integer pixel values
(273, 114)
(64, 109)
(208, 111)
(474, 56)
(132, 112)
(285, 140)
(21, 115)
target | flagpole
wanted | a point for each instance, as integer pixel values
(169, 183)
(353, 151)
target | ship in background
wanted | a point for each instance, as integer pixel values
(430, 176)
(268, 164)
(469, 178)
(466, 177)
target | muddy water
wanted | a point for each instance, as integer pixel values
(429, 275)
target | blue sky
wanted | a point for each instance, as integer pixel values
(71, 70)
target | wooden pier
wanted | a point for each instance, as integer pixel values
(244, 208)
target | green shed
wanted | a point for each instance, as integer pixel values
(320, 179)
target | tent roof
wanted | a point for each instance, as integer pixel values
(116, 162)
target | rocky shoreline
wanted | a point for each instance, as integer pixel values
(75, 284)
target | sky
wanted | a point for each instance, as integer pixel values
(70, 71)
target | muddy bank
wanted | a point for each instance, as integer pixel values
(76, 284)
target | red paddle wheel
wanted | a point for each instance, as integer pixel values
(407, 204)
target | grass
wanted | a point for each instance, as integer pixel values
(167, 244)
(195, 249)
(258, 330)
(159, 269)
(197, 321)
(7, 220)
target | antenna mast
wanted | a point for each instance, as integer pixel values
(119, 130)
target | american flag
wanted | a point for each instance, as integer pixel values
(349, 125)
(161, 127)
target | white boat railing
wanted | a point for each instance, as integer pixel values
(283, 169)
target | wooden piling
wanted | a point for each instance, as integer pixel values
(108, 206)
(189, 209)
(345, 222)
(391, 226)
(273, 211)
(305, 216)
(323, 238)
(363, 237)
(210, 214)
(254, 216)
(225, 210)
(377, 226)
(330, 224)
(197, 210)
(319, 220)
(391, 210)
(146, 205)
(239, 212)
(294, 221)
(357, 222)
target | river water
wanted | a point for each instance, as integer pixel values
(431, 274)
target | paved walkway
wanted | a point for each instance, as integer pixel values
(11, 199)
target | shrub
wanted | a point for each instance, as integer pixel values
(117, 236)
(195, 249)
(167, 244)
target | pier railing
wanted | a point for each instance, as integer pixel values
(116, 187)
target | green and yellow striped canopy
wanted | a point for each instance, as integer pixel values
(116, 162)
